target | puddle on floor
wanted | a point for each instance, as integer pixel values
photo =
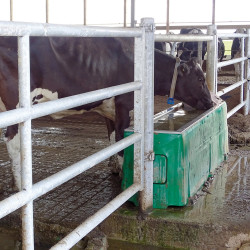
(227, 201)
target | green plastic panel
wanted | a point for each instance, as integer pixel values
(184, 160)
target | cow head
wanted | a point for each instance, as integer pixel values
(191, 86)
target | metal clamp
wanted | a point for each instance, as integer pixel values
(150, 156)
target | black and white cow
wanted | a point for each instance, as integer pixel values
(160, 46)
(62, 67)
(236, 53)
(186, 50)
(221, 49)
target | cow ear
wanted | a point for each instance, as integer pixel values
(183, 69)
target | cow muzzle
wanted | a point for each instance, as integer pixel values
(204, 104)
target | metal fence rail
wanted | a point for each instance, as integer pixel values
(242, 81)
(143, 125)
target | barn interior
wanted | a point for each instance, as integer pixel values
(217, 216)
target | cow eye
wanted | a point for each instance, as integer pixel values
(201, 79)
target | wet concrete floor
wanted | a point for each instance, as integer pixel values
(224, 210)
(218, 217)
(56, 145)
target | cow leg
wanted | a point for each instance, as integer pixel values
(110, 126)
(12, 139)
(237, 69)
(122, 121)
(113, 160)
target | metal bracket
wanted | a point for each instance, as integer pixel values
(149, 26)
(150, 156)
(152, 27)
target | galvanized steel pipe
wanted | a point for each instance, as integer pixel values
(36, 29)
(247, 74)
(231, 87)
(139, 96)
(47, 11)
(230, 36)
(146, 195)
(230, 62)
(182, 38)
(211, 71)
(11, 10)
(25, 140)
(242, 63)
(132, 13)
(235, 109)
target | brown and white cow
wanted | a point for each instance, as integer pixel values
(62, 67)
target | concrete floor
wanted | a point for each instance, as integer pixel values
(218, 219)
(56, 145)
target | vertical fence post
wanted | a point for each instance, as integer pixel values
(200, 52)
(242, 69)
(132, 13)
(11, 10)
(139, 67)
(211, 66)
(25, 137)
(47, 11)
(84, 12)
(125, 13)
(247, 73)
(146, 195)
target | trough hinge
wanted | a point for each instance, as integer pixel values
(150, 156)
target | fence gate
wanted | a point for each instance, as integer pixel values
(143, 124)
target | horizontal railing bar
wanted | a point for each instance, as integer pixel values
(231, 87)
(18, 115)
(21, 198)
(234, 35)
(39, 29)
(235, 109)
(182, 38)
(89, 224)
(232, 61)
(202, 26)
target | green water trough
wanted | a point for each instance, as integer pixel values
(188, 146)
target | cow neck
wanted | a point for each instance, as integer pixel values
(173, 84)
